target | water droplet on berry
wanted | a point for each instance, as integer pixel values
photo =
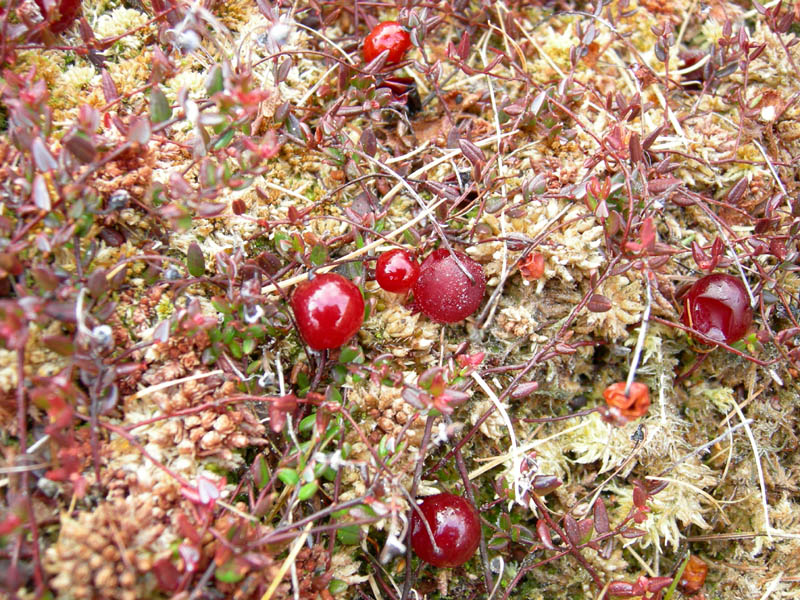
(443, 292)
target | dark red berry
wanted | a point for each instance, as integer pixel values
(455, 527)
(390, 36)
(718, 306)
(443, 292)
(329, 310)
(397, 270)
(67, 11)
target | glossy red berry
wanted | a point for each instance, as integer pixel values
(455, 527)
(397, 270)
(67, 13)
(329, 310)
(718, 306)
(390, 36)
(443, 292)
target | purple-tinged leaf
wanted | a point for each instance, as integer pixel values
(161, 331)
(369, 142)
(195, 261)
(41, 196)
(632, 532)
(109, 87)
(543, 531)
(473, 154)
(601, 523)
(80, 146)
(524, 389)
(572, 530)
(139, 130)
(599, 304)
(160, 110)
(41, 155)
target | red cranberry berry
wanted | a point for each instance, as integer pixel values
(397, 270)
(390, 36)
(443, 292)
(455, 527)
(329, 310)
(718, 306)
(67, 13)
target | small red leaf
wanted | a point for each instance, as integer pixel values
(544, 534)
(572, 529)
(600, 514)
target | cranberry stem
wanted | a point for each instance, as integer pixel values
(426, 438)
(434, 222)
(637, 353)
(572, 548)
(462, 469)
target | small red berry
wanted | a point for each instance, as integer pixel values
(443, 292)
(329, 310)
(455, 527)
(67, 11)
(718, 306)
(397, 270)
(626, 408)
(390, 36)
(694, 576)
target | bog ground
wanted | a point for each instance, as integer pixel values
(194, 197)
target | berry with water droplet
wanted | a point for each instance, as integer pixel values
(329, 310)
(443, 291)
(718, 306)
(456, 530)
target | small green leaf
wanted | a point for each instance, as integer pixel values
(229, 573)
(184, 222)
(195, 261)
(382, 449)
(349, 354)
(248, 345)
(214, 82)
(160, 110)
(224, 140)
(308, 422)
(319, 255)
(348, 535)
(308, 491)
(337, 586)
(261, 471)
(289, 477)
(339, 373)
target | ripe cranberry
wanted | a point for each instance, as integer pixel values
(455, 527)
(443, 292)
(396, 271)
(328, 309)
(67, 11)
(717, 306)
(390, 36)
